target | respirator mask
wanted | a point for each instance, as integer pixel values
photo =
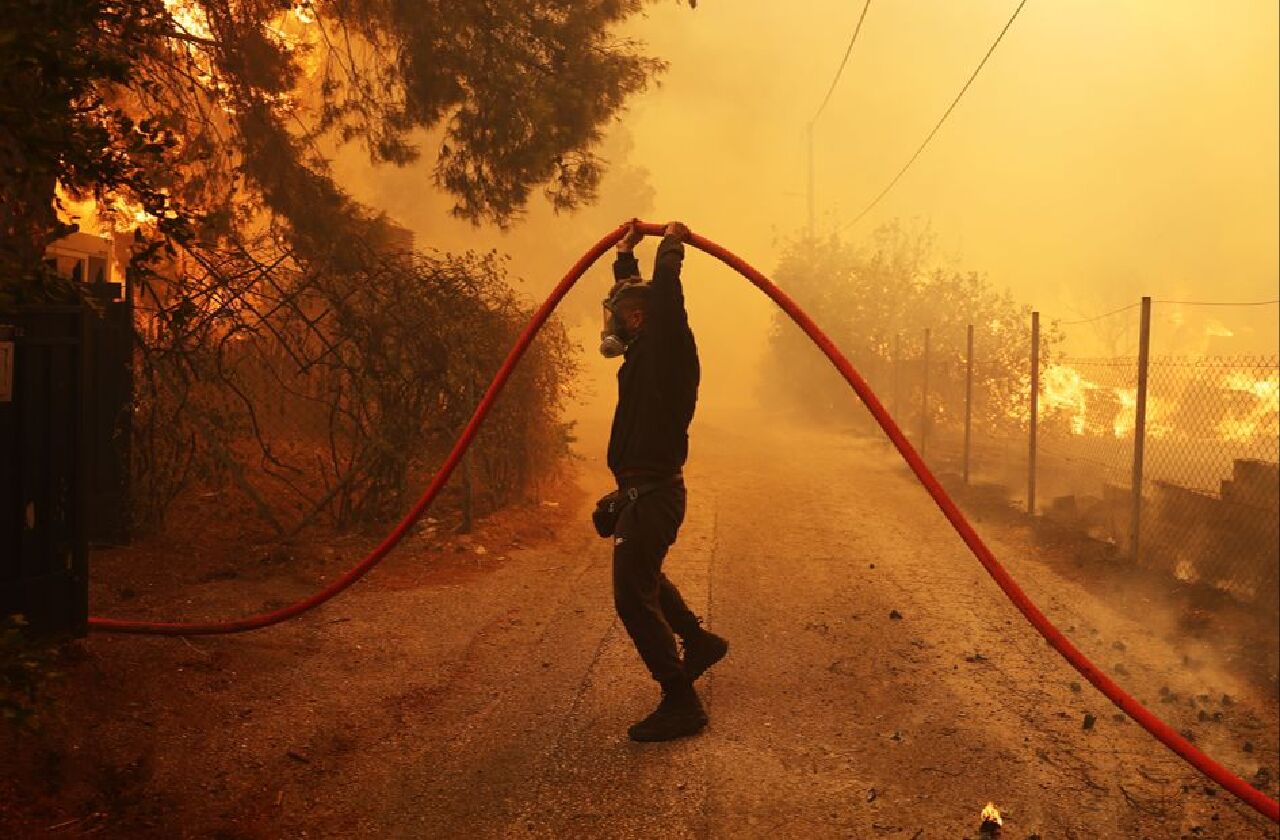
(616, 337)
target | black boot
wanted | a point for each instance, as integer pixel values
(679, 714)
(702, 651)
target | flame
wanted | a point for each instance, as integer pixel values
(291, 30)
(1063, 388)
(295, 32)
(1216, 329)
(1126, 418)
(117, 215)
(305, 12)
(190, 18)
(1263, 389)
(991, 814)
(1260, 419)
(1093, 409)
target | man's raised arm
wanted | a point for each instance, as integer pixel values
(625, 266)
(666, 299)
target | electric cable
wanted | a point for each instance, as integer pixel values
(1075, 657)
(1220, 302)
(941, 120)
(839, 71)
(1099, 317)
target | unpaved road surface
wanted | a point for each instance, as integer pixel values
(879, 685)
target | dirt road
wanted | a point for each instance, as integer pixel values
(879, 685)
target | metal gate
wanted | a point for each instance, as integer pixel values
(109, 403)
(43, 468)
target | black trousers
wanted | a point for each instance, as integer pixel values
(649, 604)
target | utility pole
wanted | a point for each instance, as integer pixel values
(1035, 413)
(924, 396)
(968, 401)
(1140, 429)
(897, 377)
(809, 132)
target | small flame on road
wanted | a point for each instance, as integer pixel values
(991, 814)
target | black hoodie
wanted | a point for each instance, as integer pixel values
(658, 380)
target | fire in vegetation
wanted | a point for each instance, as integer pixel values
(1259, 420)
(1197, 399)
(991, 821)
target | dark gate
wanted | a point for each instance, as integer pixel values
(109, 402)
(43, 466)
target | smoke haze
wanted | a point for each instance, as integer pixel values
(1108, 150)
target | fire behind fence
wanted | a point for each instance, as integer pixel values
(1199, 437)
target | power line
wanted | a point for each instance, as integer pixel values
(847, 52)
(1098, 317)
(1221, 302)
(809, 130)
(943, 119)
(1177, 302)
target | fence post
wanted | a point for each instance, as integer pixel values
(897, 376)
(924, 396)
(1140, 427)
(968, 400)
(468, 509)
(1035, 413)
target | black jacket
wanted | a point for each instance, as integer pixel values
(658, 380)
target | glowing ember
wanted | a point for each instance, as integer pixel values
(991, 814)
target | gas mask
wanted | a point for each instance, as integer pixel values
(616, 337)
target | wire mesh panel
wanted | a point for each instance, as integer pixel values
(1086, 437)
(1212, 479)
(946, 400)
(1208, 507)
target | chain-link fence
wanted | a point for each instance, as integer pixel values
(1198, 437)
(1211, 476)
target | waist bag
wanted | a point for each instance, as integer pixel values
(611, 505)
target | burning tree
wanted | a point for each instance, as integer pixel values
(214, 117)
(207, 126)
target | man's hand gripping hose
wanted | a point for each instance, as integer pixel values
(1127, 703)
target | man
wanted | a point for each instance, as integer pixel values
(647, 324)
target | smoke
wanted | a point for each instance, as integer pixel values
(1107, 151)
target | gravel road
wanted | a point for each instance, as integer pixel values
(879, 685)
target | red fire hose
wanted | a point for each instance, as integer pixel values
(1127, 703)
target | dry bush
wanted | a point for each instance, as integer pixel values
(322, 396)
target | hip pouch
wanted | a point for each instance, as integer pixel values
(610, 506)
(608, 510)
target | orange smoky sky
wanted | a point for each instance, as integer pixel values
(1108, 150)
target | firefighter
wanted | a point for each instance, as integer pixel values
(647, 326)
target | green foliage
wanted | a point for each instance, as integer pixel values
(59, 61)
(218, 120)
(880, 296)
(215, 118)
(27, 664)
(210, 115)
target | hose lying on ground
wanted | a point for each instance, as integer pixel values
(1127, 703)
